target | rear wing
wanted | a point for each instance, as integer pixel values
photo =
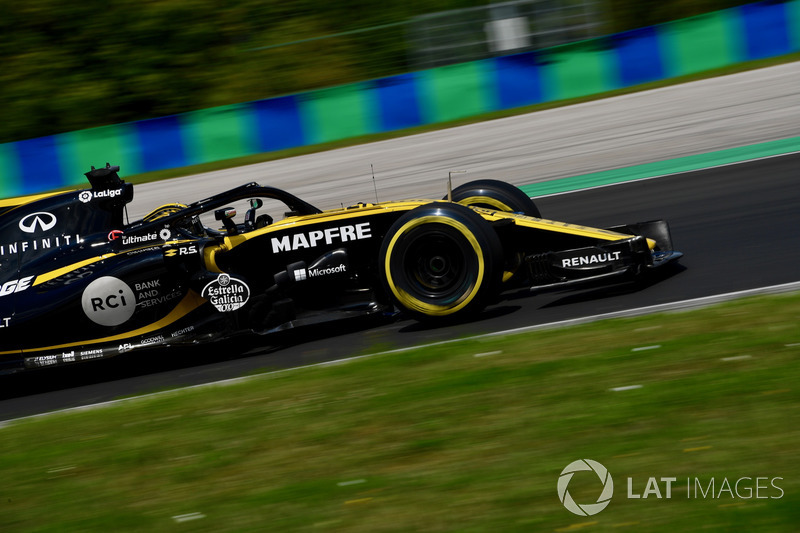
(101, 179)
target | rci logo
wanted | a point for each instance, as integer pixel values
(587, 509)
(108, 301)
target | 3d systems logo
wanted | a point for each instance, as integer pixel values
(587, 509)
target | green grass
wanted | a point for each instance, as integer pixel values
(292, 152)
(437, 439)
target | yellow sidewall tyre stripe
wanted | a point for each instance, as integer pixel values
(409, 301)
(481, 201)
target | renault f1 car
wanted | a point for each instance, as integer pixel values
(78, 282)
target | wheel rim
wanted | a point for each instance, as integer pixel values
(435, 267)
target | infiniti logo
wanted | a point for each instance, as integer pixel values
(41, 221)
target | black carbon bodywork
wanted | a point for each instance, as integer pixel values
(79, 283)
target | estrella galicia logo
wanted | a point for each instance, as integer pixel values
(226, 293)
(587, 509)
(41, 221)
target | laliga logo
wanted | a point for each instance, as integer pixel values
(588, 509)
(87, 196)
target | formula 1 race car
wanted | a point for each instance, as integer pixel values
(78, 283)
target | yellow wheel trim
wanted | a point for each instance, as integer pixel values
(416, 304)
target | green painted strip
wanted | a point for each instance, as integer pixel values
(10, 179)
(339, 113)
(793, 14)
(456, 91)
(579, 70)
(661, 168)
(701, 43)
(80, 150)
(219, 133)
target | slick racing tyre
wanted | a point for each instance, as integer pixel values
(500, 196)
(440, 261)
(497, 195)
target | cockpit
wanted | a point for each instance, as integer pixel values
(218, 216)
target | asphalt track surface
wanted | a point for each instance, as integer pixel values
(738, 226)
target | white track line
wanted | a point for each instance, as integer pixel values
(625, 388)
(645, 348)
(684, 305)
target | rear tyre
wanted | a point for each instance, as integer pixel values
(497, 195)
(441, 261)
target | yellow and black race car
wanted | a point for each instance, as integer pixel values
(78, 282)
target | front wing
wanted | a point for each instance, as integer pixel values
(650, 247)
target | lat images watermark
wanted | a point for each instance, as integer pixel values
(587, 509)
(664, 487)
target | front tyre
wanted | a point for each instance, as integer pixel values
(441, 261)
